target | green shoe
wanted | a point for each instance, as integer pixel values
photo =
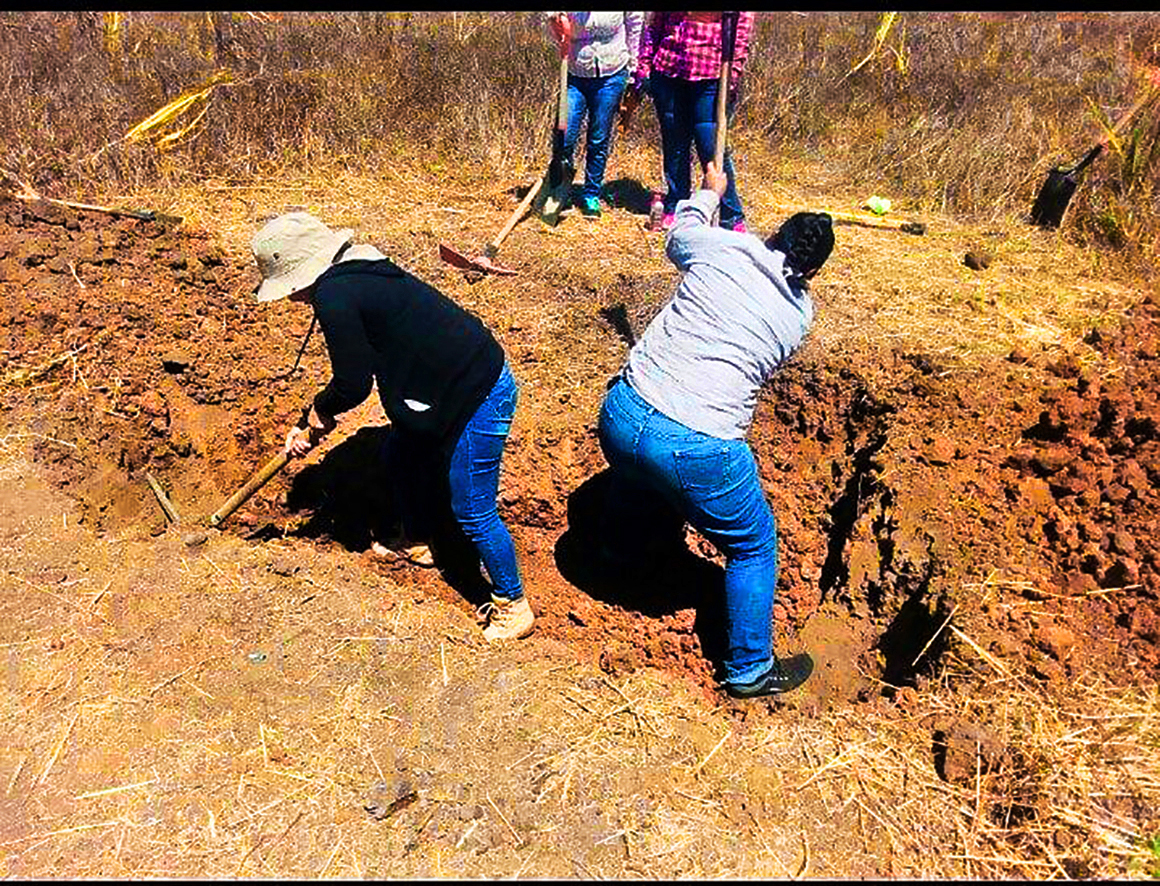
(590, 207)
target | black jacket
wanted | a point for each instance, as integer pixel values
(384, 324)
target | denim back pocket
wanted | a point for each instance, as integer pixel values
(703, 469)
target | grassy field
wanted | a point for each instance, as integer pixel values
(140, 745)
(955, 112)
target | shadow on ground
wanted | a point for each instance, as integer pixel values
(656, 575)
(351, 500)
(628, 194)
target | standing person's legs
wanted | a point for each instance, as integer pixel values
(670, 98)
(723, 499)
(714, 483)
(577, 108)
(704, 103)
(474, 480)
(603, 104)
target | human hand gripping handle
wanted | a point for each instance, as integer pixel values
(561, 27)
(715, 180)
(300, 440)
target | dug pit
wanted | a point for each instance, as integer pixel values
(129, 346)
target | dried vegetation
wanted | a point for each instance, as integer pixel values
(960, 114)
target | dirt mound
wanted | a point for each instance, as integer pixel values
(1093, 459)
(129, 346)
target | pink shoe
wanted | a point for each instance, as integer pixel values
(739, 227)
(668, 220)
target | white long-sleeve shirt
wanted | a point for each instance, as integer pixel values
(603, 43)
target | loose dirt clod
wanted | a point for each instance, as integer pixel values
(195, 538)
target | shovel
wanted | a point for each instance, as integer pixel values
(29, 195)
(1047, 212)
(1053, 198)
(872, 221)
(557, 184)
(486, 261)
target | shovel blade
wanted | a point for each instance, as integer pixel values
(553, 205)
(453, 258)
(556, 195)
(1051, 203)
(486, 264)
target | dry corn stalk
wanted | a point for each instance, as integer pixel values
(883, 29)
(113, 34)
(175, 109)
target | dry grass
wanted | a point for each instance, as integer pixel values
(959, 113)
(129, 758)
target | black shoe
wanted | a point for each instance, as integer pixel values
(782, 677)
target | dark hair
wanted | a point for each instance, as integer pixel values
(806, 239)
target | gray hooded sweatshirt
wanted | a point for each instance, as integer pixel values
(733, 320)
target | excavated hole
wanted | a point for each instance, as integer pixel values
(192, 388)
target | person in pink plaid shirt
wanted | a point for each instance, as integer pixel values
(680, 59)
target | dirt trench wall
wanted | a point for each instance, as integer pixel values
(157, 358)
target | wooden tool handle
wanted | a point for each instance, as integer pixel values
(562, 109)
(163, 499)
(1149, 96)
(728, 35)
(256, 482)
(493, 247)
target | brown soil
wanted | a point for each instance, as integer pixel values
(182, 376)
(906, 488)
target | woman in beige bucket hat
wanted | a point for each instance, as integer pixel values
(442, 378)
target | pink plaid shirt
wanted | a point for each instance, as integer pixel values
(678, 46)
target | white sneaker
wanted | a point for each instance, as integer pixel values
(506, 619)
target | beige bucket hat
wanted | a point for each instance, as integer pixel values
(292, 252)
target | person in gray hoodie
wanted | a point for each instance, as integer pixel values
(601, 48)
(673, 423)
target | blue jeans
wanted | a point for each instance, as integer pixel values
(714, 484)
(417, 472)
(474, 479)
(687, 112)
(599, 98)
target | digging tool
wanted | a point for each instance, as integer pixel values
(557, 184)
(28, 195)
(256, 482)
(189, 539)
(163, 499)
(728, 38)
(486, 261)
(1053, 198)
(870, 221)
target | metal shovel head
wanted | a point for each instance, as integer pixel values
(1053, 198)
(1056, 193)
(556, 197)
(478, 263)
